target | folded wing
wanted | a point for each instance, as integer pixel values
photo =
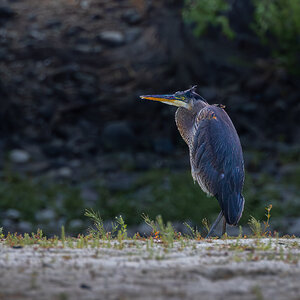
(217, 160)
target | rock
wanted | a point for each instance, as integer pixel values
(182, 228)
(8, 225)
(12, 214)
(121, 183)
(65, 72)
(84, 4)
(107, 224)
(55, 148)
(107, 163)
(37, 167)
(53, 24)
(249, 107)
(87, 79)
(272, 92)
(132, 34)
(45, 215)
(289, 170)
(117, 136)
(64, 172)
(125, 161)
(75, 163)
(209, 93)
(87, 93)
(143, 195)
(132, 17)
(32, 17)
(61, 222)
(75, 224)
(163, 145)
(73, 31)
(37, 35)
(235, 230)
(295, 228)
(112, 38)
(83, 41)
(88, 195)
(144, 229)
(24, 226)
(19, 156)
(85, 286)
(256, 83)
(17, 247)
(144, 161)
(96, 17)
(86, 49)
(3, 54)
(6, 12)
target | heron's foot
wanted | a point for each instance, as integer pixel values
(224, 226)
(212, 228)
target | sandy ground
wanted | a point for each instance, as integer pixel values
(219, 269)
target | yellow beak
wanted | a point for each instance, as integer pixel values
(167, 99)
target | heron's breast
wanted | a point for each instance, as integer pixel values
(185, 122)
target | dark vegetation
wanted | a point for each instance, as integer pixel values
(70, 76)
(276, 24)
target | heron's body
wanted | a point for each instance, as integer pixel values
(215, 151)
(215, 156)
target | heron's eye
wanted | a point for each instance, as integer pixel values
(180, 96)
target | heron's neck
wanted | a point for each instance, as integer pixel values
(185, 120)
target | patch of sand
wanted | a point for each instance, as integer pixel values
(217, 269)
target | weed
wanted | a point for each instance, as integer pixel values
(205, 13)
(40, 193)
(97, 222)
(205, 224)
(240, 232)
(295, 244)
(237, 258)
(195, 233)
(277, 24)
(150, 222)
(62, 296)
(70, 243)
(165, 232)
(268, 215)
(33, 280)
(63, 237)
(120, 240)
(256, 290)
(256, 226)
(99, 231)
(122, 227)
(281, 253)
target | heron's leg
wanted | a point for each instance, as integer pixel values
(224, 226)
(212, 228)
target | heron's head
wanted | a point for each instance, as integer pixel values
(184, 99)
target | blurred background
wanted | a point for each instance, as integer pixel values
(75, 135)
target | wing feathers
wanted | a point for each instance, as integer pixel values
(217, 161)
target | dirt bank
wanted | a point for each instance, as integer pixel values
(239, 269)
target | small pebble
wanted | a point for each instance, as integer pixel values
(19, 156)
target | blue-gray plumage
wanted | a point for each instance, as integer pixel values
(215, 151)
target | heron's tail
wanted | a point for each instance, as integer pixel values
(233, 207)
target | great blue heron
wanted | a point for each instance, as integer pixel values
(216, 155)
